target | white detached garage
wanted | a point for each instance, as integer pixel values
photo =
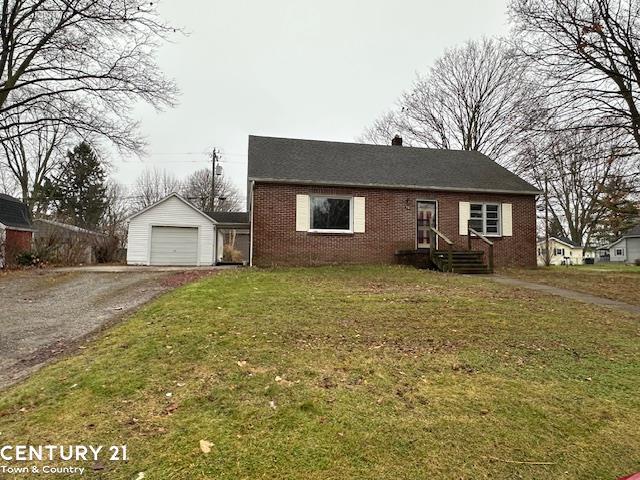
(171, 232)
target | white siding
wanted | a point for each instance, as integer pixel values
(573, 255)
(173, 212)
(622, 244)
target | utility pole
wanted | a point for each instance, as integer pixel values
(214, 159)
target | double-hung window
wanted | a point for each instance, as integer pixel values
(331, 214)
(485, 218)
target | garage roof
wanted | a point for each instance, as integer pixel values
(239, 218)
(171, 195)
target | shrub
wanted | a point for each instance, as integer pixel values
(637, 262)
(107, 250)
(29, 259)
(230, 254)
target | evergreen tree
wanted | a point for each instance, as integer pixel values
(81, 190)
(621, 210)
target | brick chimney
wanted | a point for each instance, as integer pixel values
(396, 141)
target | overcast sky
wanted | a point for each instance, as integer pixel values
(293, 68)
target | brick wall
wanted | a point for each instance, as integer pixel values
(15, 242)
(390, 226)
(18, 240)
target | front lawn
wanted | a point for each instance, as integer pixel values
(340, 373)
(610, 280)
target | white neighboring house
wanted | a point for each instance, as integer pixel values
(171, 232)
(563, 252)
(626, 248)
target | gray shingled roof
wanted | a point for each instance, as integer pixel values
(336, 163)
(229, 217)
(632, 232)
(14, 213)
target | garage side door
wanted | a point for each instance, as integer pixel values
(174, 246)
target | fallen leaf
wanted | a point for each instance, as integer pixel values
(140, 476)
(242, 363)
(205, 446)
(272, 404)
(278, 378)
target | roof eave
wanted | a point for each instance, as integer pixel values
(570, 245)
(402, 187)
(18, 229)
(624, 237)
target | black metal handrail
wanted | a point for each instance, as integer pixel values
(433, 232)
(484, 239)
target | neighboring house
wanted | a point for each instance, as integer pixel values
(562, 252)
(67, 244)
(174, 232)
(16, 229)
(625, 249)
(318, 202)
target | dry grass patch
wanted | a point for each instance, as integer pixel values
(335, 373)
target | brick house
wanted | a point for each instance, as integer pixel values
(317, 202)
(16, 229)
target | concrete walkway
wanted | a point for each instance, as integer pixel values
(570, 294)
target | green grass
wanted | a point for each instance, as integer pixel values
(609, 280)
(375, 373)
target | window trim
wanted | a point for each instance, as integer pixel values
(484, 217)
(331, 230)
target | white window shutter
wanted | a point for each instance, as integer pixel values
(507, 220)
(358, 214)
(464, 214)
(302, 213)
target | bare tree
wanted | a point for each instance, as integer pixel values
(32, 156)
(577, 169)
(587, 55)
(117, 211)
(197, 189)
(82, 63)
(7, 183)
(475, 97)
(153, 185)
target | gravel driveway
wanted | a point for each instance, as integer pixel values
(44, 314)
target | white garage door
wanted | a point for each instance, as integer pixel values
(174, 246)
